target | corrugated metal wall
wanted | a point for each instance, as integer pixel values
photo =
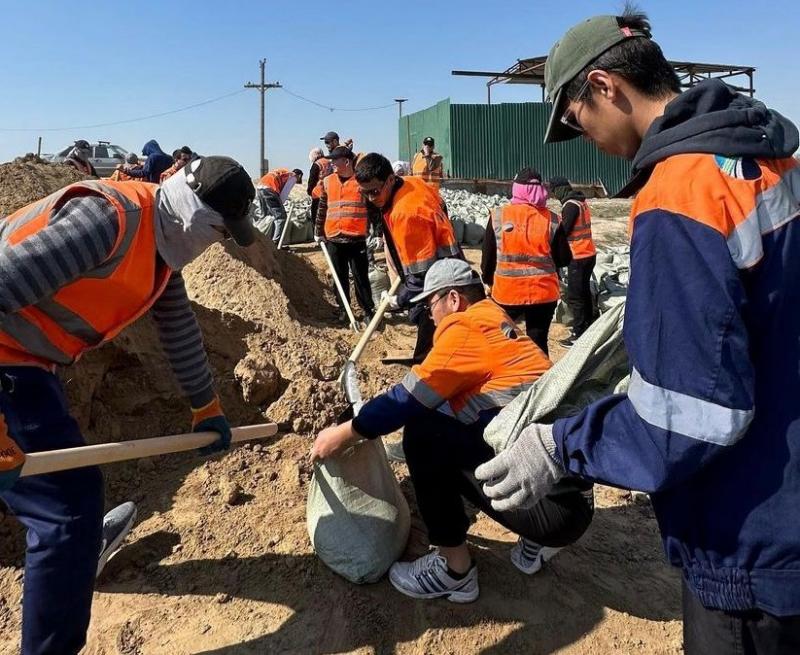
(495, 141)
(433, 121)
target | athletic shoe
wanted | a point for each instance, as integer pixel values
(529, 557)
(427, 577)
(394, 451)
(116, 526)
(568, 342)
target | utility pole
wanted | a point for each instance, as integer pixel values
(400, 102)
(262, 88)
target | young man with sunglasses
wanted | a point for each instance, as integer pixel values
(710, 425)
(479, 363)
(416, 231)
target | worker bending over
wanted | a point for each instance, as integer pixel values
(342, 223)
(479, 363)
(75, 269)
(522, 250)
(416, 232)
(273, 191)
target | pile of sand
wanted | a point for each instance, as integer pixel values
(28, 179)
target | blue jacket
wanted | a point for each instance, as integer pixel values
(156, 163)
(711, 422)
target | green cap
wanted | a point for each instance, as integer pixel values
(578, 48)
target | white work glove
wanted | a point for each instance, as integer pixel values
(318, 238)
(378, 244)
(523, 473)
(393, 304)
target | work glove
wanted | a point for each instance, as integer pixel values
(393, 303)
(318, 238)
(211, 419)
(11, 458)
(523, 473)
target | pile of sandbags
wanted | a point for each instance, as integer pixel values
(298, 211)
(469, 213)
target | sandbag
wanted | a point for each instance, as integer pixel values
(378, 283)
(595, 367)
(357, 518)
(459, 227)
(473, 234)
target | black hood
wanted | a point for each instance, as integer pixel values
(712, 118)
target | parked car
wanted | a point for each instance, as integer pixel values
(105, 157)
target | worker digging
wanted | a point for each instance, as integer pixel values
(459, 400)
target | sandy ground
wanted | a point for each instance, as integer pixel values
(220, 560)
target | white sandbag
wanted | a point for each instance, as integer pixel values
(473, 234)
(459, 227)
(596, 366)
(357, 518)
(378, 283)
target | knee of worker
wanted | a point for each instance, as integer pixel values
(420, 442)
(558, 520)
(72, 515)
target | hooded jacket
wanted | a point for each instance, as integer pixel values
(157, 162)
(710, 425)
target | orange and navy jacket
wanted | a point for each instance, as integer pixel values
(525, 273)
(710, 425)
(429, 169)
(276, 180)
(478, 364)
(345, 212)
(94, 308)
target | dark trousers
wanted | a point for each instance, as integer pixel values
(314, 206)
(442, 455)
(63, 514)
(420, 316)
(352, 256)
(579, 293)
(714, 632)
(537, 320)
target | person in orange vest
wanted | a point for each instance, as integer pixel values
(77, 267)
(80, 158)
(416, 231)
(428, 164)
(479, 363)
(320, 169)
(180, 157)
(342, 222)
(273, 191)
(522, 250)
(119, 174)
(577, 221)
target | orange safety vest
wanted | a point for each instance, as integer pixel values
(580, 239)
(525, 273)
(96, 307)
(428, 170)
(479, 361)
(347, 213)
(168, 173)
(276, 179)
(325, 169)
(420, 230)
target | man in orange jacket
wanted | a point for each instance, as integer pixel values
(342, 222)
(427, 164)
(479, 363)
(416, 231)
(75, 269)
(273, 191)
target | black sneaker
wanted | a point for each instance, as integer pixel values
(568, 342)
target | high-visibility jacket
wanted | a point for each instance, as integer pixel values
(420, 230)
(347, 213)
(429, 169)
(97, 306)
(325, 169)
(580, 239)
(276, 179)
(479, 363)
(526, 273)
(169, 172)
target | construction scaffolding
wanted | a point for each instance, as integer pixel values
(531, 71)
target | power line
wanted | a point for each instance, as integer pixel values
(122, 122)
(329, 108)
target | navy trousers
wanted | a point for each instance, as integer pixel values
(63, 514)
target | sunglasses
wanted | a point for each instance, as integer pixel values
(434, 303)
(568, 118)
(371, 194)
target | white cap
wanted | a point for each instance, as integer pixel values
(446, 274)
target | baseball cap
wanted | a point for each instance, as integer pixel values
(428, 141)
(222, 184)
(579, 47)
(446, 274)
(339, 152)
(329, 136)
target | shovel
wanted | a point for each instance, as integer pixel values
(107, 453)
(342, 297)
(285, 230)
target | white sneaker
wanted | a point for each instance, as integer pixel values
(116, 526)
(427, 577)
(529, 557)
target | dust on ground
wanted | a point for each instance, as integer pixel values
(220, 562)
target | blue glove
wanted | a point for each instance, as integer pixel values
(211, 419)
(11, 458)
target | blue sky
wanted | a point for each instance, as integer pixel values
(81, 63)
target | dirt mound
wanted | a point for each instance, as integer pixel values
(29, 178)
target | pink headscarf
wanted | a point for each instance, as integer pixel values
(529, 194)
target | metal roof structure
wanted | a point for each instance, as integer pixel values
(531, 71)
